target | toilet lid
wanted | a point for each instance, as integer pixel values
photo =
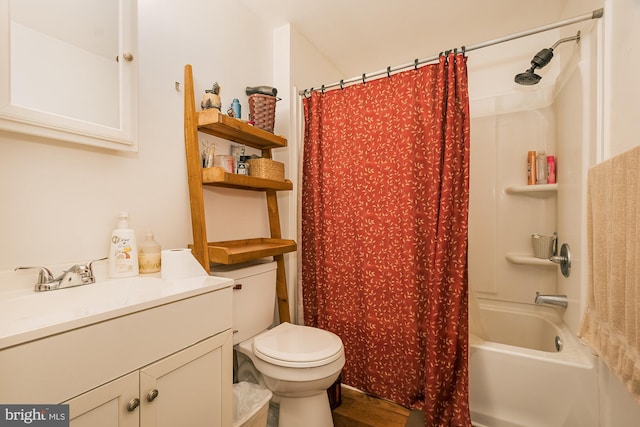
(297, 346)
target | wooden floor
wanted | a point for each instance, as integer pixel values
(360, 410)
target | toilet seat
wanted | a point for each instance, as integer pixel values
(297, 346)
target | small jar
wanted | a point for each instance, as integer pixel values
(149, 254)
(243, 166)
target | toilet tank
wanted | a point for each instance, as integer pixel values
(254, 296)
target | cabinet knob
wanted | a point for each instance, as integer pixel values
(128, 56)
(151, 396)
(133, 404)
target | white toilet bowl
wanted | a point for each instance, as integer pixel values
(298, 364)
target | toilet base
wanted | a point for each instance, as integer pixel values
(308, 411)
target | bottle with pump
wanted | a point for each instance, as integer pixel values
(123, 255)
(149, 254)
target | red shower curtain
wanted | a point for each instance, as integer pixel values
(384, 234)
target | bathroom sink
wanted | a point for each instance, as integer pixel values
(26, 315)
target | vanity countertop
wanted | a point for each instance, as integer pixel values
(26, 315)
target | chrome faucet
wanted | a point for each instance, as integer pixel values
(560, 300)
(75, 276)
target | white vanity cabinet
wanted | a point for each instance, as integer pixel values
(165, 361)
(106, 406)
(194, 386)
(183, 389)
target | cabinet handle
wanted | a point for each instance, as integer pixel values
(151, 396)
(237, 286)
(133, 404)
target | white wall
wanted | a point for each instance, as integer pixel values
(507, 121)
(60, 201)
(297, 65)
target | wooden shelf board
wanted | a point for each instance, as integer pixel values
(236, 251)
(217, 176)
(215, 123)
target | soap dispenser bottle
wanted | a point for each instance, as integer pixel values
(149, 254)
(123, 255)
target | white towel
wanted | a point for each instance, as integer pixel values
(611, 323)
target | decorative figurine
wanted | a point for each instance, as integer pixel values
(211, 98)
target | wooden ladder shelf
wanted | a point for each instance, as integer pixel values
(213, 122)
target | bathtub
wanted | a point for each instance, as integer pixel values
(531, 371)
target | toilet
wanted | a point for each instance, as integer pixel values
(297, 363)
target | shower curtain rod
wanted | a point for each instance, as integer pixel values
(596, 14)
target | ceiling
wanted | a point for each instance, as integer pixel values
(363, 36)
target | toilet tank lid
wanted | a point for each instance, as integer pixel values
(243, 270)
(297, 344)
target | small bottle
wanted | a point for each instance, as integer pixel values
(531, 167)
(237, 110)
(149, 254)
(123, 255)
(541, 168)
(551, 169)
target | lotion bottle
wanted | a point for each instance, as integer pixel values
(123, 255)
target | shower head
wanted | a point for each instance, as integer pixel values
(541, 59)
(528, 78)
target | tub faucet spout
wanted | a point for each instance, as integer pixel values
(560, 300)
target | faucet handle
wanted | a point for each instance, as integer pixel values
(89, 266)
(87, 275)
(85, 271)
(44, 275)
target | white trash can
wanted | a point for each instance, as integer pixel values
(250, 405)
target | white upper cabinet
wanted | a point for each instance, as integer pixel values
(68, 71)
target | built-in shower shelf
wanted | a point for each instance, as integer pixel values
(538, 190)
(528, 259)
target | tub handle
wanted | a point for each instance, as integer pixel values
(564, 259)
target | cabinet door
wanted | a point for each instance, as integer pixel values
(107, 405)
(190, 388)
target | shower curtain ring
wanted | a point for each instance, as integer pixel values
(415, 64)
(322, 89)
(389, 71)
(364, 77)
(342, 84)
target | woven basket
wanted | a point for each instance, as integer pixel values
(262, 110)
(542, 246)
(266, 168)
